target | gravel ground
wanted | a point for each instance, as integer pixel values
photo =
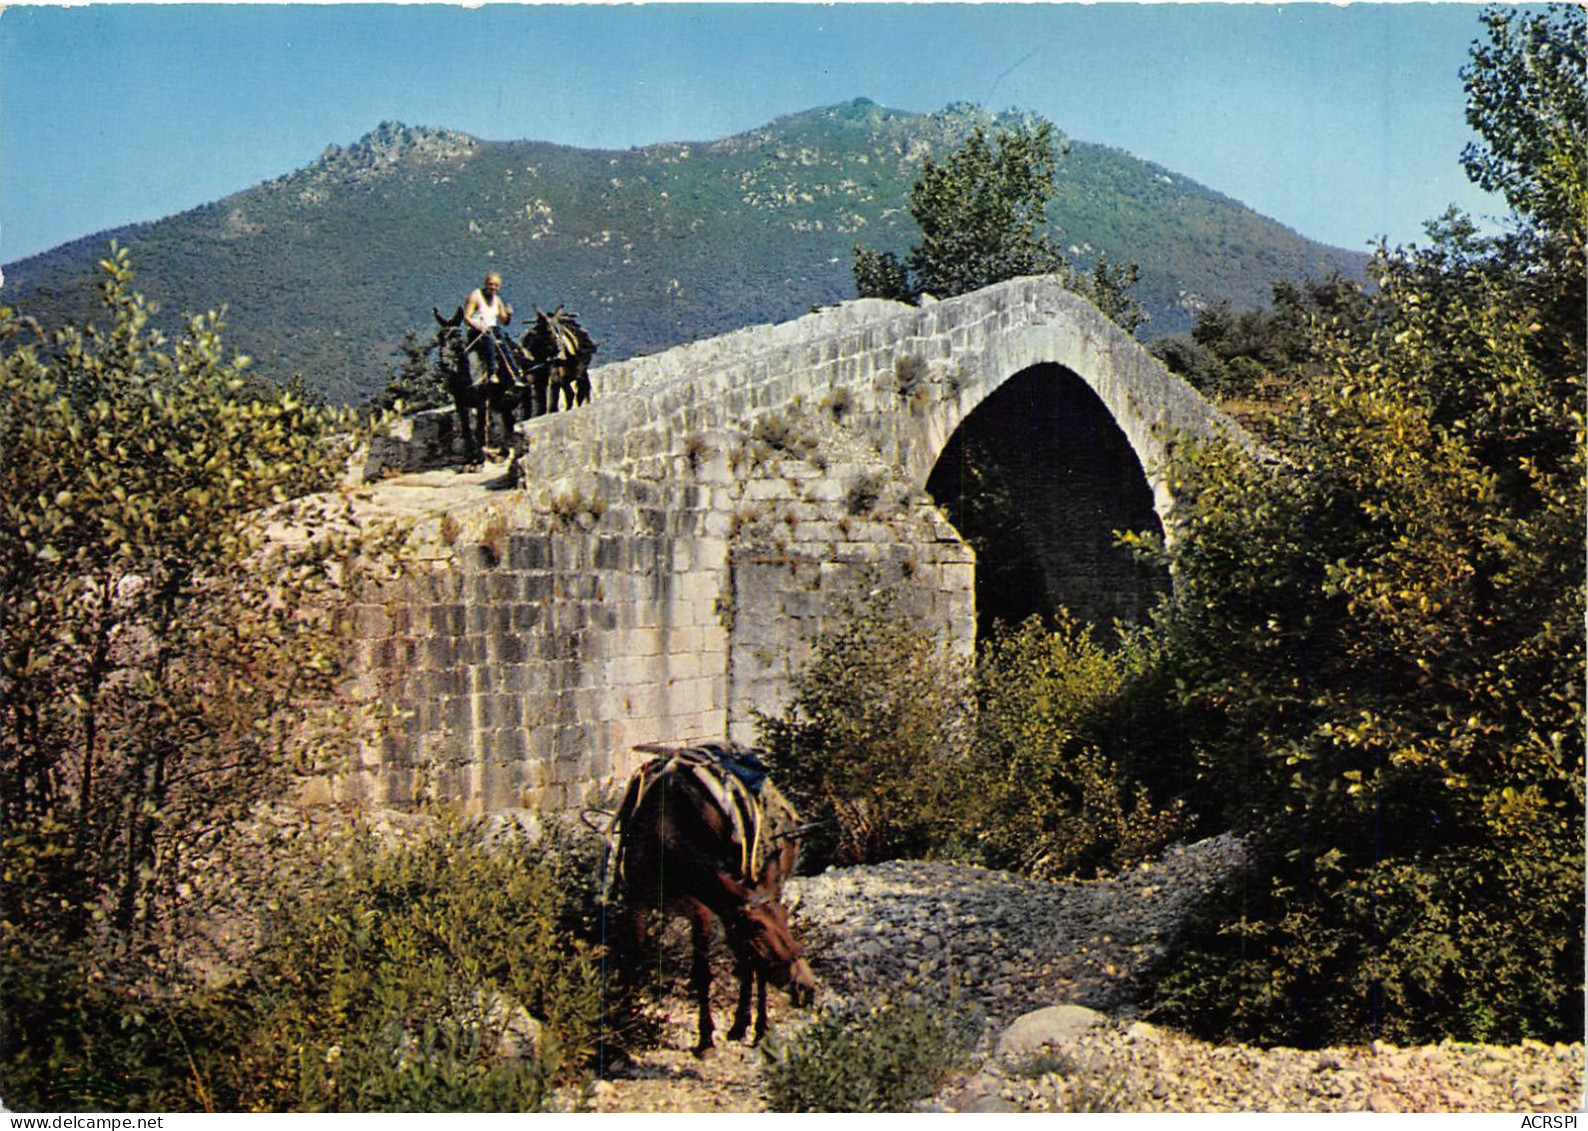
(1009, 949)
(1139, 1067)
(1011, 945)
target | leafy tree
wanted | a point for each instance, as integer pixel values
(175, 573)
(1378, 640)
(1109, 287)
(879, 274)
(1526, 100)
(414, 382)
(1261, 353)
(982, 214)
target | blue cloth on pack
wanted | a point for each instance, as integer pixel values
(746, 765)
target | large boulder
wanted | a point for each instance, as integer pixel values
(1053, 1025)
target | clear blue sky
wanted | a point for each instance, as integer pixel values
(1345, 123)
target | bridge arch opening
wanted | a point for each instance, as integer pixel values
(1038, 479)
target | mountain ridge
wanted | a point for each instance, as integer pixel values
(323, 268)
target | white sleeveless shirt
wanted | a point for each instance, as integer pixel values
(486, 314)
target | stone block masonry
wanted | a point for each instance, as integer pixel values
(679, 541)
(532, 652)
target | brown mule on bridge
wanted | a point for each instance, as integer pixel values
(700, 833)
(560, 351)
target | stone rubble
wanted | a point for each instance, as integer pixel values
(1053, 969)
(1117, 1066)
(1010, 945)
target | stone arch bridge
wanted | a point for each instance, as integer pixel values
(678, 541)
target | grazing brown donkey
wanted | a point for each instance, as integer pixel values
(700, 833)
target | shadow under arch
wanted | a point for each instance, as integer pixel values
(1038, 479)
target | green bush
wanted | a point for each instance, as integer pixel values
(877, 1057)
(900, 748)
(448, 968)
(1476, 945)
(82, 1030)
(397, 977)
(1042, 795)
(871, 746)
(1378, 639)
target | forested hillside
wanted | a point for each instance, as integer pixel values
(322, 270)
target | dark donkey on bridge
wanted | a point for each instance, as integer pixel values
(475, 392)
(701, 833)
(551, 363)
(559, 350)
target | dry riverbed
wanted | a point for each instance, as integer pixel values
(1052, 968)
